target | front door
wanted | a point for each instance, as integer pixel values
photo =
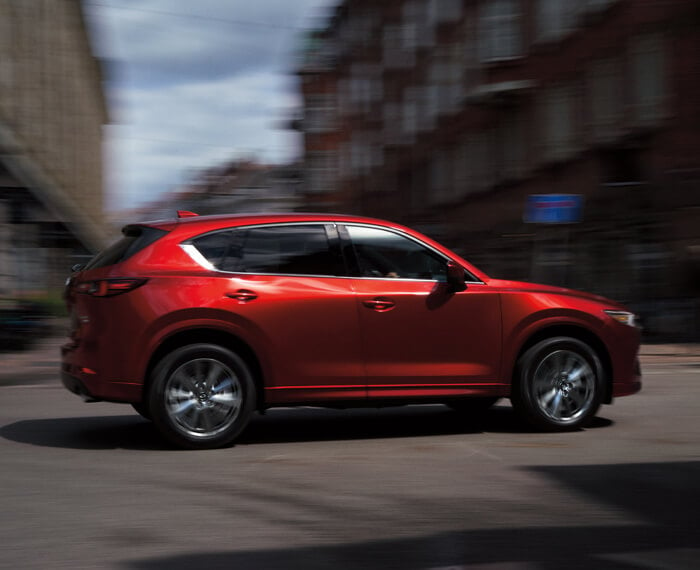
(418, 337)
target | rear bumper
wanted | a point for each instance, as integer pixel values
(75, 385)
(89, 384)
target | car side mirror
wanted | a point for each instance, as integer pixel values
(77, 267)
(455, 277)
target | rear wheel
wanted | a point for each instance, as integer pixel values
(201, 396)
(558, 384)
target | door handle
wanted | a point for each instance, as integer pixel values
(379, 304)
(243, 295)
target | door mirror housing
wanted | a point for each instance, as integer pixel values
(455, 277)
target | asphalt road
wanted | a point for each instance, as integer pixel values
(417, 488)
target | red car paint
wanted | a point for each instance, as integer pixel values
(325, 339)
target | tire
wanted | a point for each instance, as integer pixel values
(558, 384)
(142, 410)
(473, 406)
(201, 396)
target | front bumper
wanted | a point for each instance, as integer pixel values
(630, 387)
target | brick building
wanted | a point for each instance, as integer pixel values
(52, 110)
(448, 114)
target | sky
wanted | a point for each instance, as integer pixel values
(194, 84)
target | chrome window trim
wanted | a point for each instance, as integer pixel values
(261, 225)
(416, 240)
(196, 256)
(191, 250)
(202, 261)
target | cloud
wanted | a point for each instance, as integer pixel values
(195, 84)
(178, 129)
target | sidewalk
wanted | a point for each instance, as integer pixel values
(676, 353)
(41, 362)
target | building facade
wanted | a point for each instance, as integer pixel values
(235, 187)
(449, 114)
(52, 109)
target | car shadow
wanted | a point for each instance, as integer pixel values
(658, 499)
(282, 425)
(100, 432)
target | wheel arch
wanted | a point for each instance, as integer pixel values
(578, 333)
(210, 336)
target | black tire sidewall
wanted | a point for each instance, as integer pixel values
(156, 395)
(523, 400)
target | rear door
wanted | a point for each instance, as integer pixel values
(286, 284)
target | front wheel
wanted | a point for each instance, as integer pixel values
(201, 396)
(558, 384)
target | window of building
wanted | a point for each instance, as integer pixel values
(597, 5)
(439, 190)
(445, 75)
(365, 86)
(476, 163)
(409, 117)
(605, 91)
(512, 144)
(343, 96)
(321, 171)
(460, 169)
(558, 122)
(440, 11)
(360, 156)
(344, 160)
(320, 112)
(394, 53)
(500, 34)
(417, 27)
(556, 18)
(648, 78)
(392, 123)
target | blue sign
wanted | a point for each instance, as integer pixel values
(553, 209)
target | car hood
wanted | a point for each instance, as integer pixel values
(507, 285)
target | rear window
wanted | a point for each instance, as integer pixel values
(135, 239)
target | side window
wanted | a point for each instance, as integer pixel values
(381, 253)
(292, 249)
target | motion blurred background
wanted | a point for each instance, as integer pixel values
(544, 140)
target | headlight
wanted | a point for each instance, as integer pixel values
(624, 317)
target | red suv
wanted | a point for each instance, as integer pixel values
(198, 322)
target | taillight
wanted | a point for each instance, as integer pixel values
(108, 287)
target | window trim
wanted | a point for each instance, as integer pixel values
(339, 243)
(353, 266)
(331, 232)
